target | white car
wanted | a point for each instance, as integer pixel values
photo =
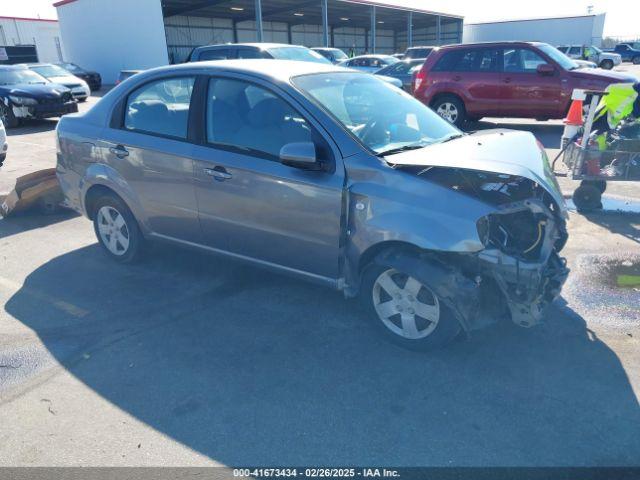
(4, 146)
(591, 53)
(369, 63)
(55, 74)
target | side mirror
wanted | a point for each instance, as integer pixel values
(300, 155)
(545, 69)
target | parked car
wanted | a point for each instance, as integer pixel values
(585, 64)
(606, 60)
(403, 71)
(4, 146)
(627, 52)
(331, 176)
(278, 51)
(417, 52)
(55, 74)
(93, 79)
(26, 95)
(505, 79)
(369, 63)
(334, 55)
(399, 56)
(124, 74)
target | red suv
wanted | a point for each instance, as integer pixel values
(504, 79)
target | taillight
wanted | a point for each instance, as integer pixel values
(418, 80)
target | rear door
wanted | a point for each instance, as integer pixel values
(252, 205)
(149, 149)
(526, 93)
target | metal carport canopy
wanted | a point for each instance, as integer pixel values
(340, 13)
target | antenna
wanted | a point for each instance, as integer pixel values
(590, 9)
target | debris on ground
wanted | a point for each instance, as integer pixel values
(38, 190)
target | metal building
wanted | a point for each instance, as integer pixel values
(43, 34)
(575, 30)
(112, 35)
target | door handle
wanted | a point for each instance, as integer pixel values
(507, 80)
(219, 173)
(119, 151)
(457, 78)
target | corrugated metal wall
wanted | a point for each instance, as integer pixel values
(184, 33)
(43, 34)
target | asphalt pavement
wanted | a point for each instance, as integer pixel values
(187, 359)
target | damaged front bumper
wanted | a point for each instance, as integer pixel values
(45, 110)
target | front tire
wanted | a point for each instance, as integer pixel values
(117, 229)
(7, 117)
(587, 198)
(452, 109)
(405, 310)
(636, 60)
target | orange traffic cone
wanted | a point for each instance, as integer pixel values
(574, 117)
(573, 123)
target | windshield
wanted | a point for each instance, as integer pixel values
(383, 117)
(595, 49)
(16, 77)
(297, 53)
(71, 67)
(559, 57)
(50, 71)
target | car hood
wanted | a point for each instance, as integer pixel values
(66, 80)
(34, 90)
(501, 151)
(392, 80)
(601, 74)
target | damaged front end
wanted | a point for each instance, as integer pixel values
(522, 240)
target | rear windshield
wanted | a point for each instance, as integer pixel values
(297, 53)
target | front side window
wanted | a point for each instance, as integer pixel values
(382, 117)
(160, 107)
(522, 60)
(247, 117)
(575, 51)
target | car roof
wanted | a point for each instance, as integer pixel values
(372, 56)
(488, 44)
(281, 70)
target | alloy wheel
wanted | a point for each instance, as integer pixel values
(113, 230)
(448, 111)
(405, 306)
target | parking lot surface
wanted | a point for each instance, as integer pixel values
(187, 359)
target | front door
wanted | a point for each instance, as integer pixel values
(252, 205)
(150, 152)
(527, 93)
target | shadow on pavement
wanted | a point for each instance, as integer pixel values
(625, 224)
(548, 134)
(249, 367)
(33, 126)
(25, 221)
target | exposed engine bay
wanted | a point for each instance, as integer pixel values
(522, 239)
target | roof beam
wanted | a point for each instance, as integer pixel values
(278, 11)
(171, 12)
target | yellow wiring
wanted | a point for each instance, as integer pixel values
(540, 224)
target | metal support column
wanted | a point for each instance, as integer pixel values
(325, 24)
(409, 29)
(259, 32)
(438, 30)
(332, 36)
(373, 29)
(235, 32)
(289, 34)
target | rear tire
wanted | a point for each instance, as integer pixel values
(606, 64)
(601, 185)
(451, 108)
(636, 60)
(405, 310)
(117, 229)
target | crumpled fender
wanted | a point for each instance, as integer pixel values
(459, 293)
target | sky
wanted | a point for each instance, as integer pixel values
(622, 15)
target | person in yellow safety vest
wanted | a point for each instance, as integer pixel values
(622, 101)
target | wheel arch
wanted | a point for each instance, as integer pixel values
(440, 95)
(94, 193)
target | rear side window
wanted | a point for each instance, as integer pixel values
(249, 53)
(216, 54)
(160, 108)
(252, 119)
(469, 60)
(575, 51)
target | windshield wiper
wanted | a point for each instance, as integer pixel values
(452, 137)
(405, 148)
